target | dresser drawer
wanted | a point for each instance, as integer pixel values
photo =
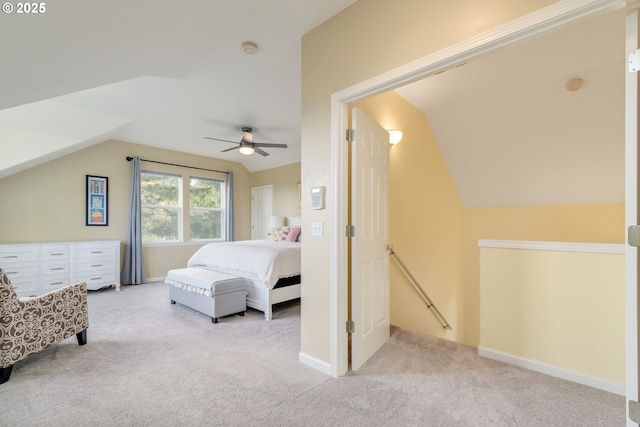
(55, 252)
(50, 283)
(25, 286)
(17, 271)
(97, 279)
(95, 251)
(95, 264)
(55, 267)
(18, 254)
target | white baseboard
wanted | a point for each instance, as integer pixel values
(554, 371)
(314, 363)
(155, 279)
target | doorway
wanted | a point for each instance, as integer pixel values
(261, 210)
(427, 66)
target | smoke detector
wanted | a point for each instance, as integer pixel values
(574, 84)
(249, 48)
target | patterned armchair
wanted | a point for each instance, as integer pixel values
(28, 325)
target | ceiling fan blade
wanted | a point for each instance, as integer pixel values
(229, 149)
(259, 151)
(264, 144)
(223, 140)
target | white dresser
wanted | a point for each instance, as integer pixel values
(36, 268)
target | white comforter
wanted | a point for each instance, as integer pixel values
(262, 260)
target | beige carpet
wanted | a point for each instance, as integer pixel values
(150, 363)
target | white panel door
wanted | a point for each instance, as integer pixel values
(261, 210)
(369, 257)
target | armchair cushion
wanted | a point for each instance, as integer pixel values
(28, 325)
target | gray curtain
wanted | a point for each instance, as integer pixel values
(133, 268)
(229, 219)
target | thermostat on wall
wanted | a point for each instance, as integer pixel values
(317, 197)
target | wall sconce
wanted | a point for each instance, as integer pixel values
(394, 136)
(276, 221)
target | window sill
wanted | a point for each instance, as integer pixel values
(189, 243)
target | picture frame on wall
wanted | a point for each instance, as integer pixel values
(97, 206)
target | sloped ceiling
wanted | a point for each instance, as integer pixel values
(157, 73)
(167, 74)
(512, 134)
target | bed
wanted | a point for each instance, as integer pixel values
(270, 268)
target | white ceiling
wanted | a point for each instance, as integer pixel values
(157, 73)
(167, 74)
(512, 134)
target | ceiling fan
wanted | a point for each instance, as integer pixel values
(246, 144)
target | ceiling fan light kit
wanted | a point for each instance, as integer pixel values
(247, 150)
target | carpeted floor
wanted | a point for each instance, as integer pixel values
(150, 363)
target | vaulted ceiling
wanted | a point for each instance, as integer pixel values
(157, 73)
(167, 74)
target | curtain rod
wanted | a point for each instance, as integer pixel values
(182, 166)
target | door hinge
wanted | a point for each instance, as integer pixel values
(351, 231)
(634, 61)
(351, 135)
(634, 411)
(351, 327)
(633, 235)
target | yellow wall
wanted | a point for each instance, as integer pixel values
(600, 223)
(47, 202)
(366, 39)
(285, 181)
(559, 308)
(426, 222)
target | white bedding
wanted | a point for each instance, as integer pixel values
(263, 260)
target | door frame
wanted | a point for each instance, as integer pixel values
(548, 18)
(631, 216)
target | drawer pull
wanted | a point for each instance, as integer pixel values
(12, 272)
(96, 278)
(56, 268)
(96, 252)
(57, 254)
(56, 283)
(10, 256)
(96, 265)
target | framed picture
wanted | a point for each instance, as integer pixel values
(97, 200)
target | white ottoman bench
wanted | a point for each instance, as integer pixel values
(209, 292)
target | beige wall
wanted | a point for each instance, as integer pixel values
(48, 201)
(285, 181)
(363, 41)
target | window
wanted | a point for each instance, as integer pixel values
(206, 213)
(164, 199)
(161, 206)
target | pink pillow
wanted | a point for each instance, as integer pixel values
(294, 232)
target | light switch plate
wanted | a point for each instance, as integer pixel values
(317, 228)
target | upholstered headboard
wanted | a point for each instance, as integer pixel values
(294, 221)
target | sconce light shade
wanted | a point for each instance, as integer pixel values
(394, 136)
(276, 221)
